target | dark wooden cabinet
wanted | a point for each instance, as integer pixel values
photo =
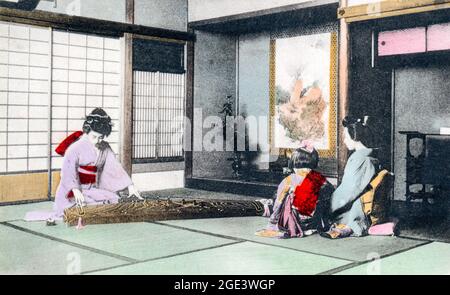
(429, 168)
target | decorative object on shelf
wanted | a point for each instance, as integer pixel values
(227, 111)
(429, 168)
(237, 159)
(414, 166)
(236, 165)
(227, 107)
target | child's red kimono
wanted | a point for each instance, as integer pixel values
(301, 206)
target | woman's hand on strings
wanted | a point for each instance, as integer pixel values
(79, 198)
(132, 191)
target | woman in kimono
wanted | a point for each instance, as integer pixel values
(90, 173)
(348, 216)
(301, 207)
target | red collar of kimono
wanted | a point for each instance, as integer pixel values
(64, 145)
(307, 193)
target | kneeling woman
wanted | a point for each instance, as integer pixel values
(301, 206)
(346, 206)
(90, 172)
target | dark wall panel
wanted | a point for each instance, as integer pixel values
(370, 90)
(214, 79)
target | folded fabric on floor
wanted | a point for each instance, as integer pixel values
(154, 210)
(279, 234)
(270, 233)
(383, 229)
(337, 231)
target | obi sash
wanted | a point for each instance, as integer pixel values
(87, 175)
(307, 193)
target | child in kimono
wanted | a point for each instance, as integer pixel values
(302, 202)
(90, 172)
(349, 218)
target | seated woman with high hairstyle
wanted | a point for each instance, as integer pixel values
(302, 202)
(348, 216)
(90, 172)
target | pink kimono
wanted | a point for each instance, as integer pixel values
(98, 176)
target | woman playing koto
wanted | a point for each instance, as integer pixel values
(90, 172)
(301, 206)
(361, 167)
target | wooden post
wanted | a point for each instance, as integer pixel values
(189, 109)
(344, 58)
(129, 11)
(126, 132)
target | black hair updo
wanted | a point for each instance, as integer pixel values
(98, 121)
(359, 129)
(302, 158)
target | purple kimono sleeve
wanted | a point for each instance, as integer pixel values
(69, 174)
(113, 177)
(281, 187)
(275, 216)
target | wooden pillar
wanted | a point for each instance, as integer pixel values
(126, 134)
(129, 11)
(344, 60)
(189, 110)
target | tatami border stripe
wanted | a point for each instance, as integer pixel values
(352, 265)
(246, 240)
(164, 257)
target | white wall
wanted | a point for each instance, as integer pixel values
(359, 2)
(113, 10)
(166, 14)
(158, 180)
(254, 84)
(207, 9)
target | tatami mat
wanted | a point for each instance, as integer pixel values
(352, 249)
(138, 241)
(200, 246)
(13, 212)
(25, 253)
(431, 259)
(238, 259)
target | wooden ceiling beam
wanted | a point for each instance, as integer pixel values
(390, 8)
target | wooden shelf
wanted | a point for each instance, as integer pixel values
(391, 8)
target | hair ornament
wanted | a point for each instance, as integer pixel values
(365, 120)
(307, 145)
(97, 115)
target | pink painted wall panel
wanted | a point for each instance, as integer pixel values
(401, 41)
(438, 37)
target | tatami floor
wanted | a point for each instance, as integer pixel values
(201, 246)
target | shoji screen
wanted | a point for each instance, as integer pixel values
(49, 81)
(24, 97)
(158, 100)
(86, 75)
(158, 108)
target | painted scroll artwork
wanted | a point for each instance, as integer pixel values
(302, 91)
